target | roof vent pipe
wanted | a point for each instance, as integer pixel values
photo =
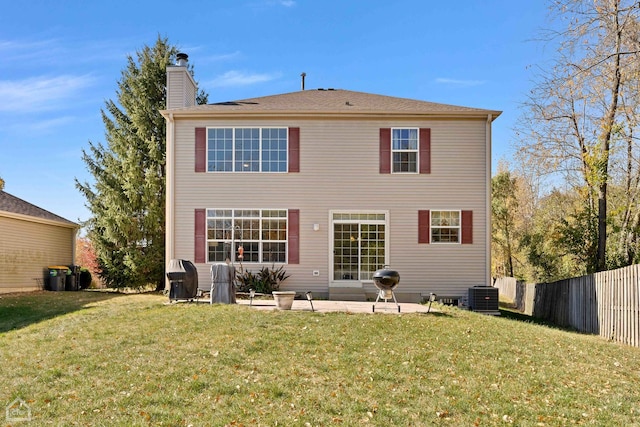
(182, 59)
(303, 75)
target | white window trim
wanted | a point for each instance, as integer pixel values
(417, 151)
(459, 227)
(235, 240)
(233, 148)
(386, 222)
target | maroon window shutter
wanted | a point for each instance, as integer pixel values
(201, 149)
(294, 149)
(467, 227)
(425, 150)
(200, 235)
(424, 227)
(294, 236)
(385, 150)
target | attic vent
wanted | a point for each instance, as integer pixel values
(321, 88)
(331, 88)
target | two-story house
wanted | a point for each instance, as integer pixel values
(332, 184)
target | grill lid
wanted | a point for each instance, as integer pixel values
(386, 279)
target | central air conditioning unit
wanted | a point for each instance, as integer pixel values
(483, 299)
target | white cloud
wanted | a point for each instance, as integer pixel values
(270, 3)
(239, 78)
(221, 57)
(40, 93)
(46, 126)
(460, 83)
(18, 46)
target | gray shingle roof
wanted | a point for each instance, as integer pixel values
(335, 101)
(13, 204)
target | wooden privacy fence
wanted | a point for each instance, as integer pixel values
(605, 303)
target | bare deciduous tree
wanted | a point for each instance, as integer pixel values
(574, 115)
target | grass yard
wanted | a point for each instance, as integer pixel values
(98, 359)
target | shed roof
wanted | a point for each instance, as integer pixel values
(15, 205)
(333, 101)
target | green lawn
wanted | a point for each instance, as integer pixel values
(97, 359)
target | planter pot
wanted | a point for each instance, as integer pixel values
(283, 299)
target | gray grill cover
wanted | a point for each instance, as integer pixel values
(223, 289)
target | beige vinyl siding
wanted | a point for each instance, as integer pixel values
(182, 92)
(339, 170)
(27, 248)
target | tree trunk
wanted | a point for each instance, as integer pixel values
(604, 148)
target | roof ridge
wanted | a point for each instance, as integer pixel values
(336, 101)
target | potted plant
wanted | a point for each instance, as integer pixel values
(283, 299)
(267, 280)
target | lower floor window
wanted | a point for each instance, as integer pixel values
(445, 226)
(247, 235)
(359, 244)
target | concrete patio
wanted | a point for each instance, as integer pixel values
(325, 306)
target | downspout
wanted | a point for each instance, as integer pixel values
(76, 234)
(170, 195)
(488, 281)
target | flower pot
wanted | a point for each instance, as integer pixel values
(283, 299)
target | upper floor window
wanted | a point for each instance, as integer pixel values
(247, 149)
(445, 226)
(404, 150)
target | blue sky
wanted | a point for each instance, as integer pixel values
(61, 61)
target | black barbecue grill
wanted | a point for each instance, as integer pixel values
(183, 278)
(386, 281)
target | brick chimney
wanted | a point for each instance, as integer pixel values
(181, 88)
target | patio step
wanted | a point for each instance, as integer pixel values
(347, 294)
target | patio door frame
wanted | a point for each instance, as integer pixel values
(357, 282)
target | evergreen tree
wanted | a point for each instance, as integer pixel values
(127, 200)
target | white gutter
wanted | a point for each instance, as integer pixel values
(36, 219)
(488, 202)
(200, 112)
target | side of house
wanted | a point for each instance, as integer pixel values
(32, 239)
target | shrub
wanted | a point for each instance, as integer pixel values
(85, 278)
(264, 281)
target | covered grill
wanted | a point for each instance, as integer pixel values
(183, 279)
(386, 281)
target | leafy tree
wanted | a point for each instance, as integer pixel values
(573, 117)
(504, 205)
(127, 200)
(86, 256)
(1, 184)
(552, 243)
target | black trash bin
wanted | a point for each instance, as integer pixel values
(57, 277)
(72, 279)
(183, 278)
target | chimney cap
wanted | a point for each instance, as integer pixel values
(182, 59)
